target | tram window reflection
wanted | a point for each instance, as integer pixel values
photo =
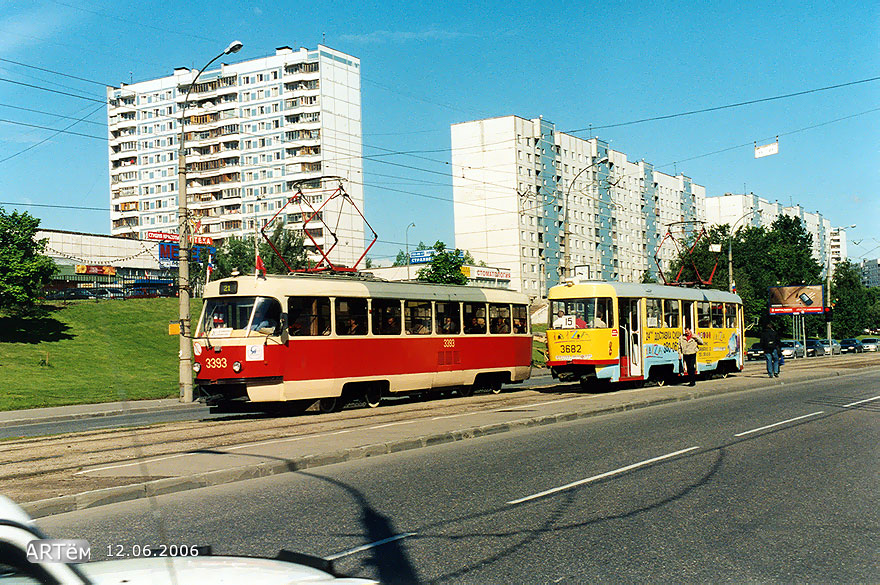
(417, 317)
(308, 316)
(520, 319)
(670, 313)
(704, 311)
(267, 316)
(474, 318)
(730, 315)
(386, 317)
(448, 318)
(499, 318)
(351, 316)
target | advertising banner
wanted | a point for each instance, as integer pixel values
(796, 300)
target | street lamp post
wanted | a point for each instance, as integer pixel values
(567, 255)
(730, 282)
(183, 292)
(406, 242)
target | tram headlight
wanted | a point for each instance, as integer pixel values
(197, 367)
(236, 367)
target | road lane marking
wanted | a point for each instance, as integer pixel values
(369, 546)
(861, 401)
(144, 462)
(392, 424)
(601, 476)
(782, 422)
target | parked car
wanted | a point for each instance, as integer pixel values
(108, 293)
(71, 294)
(756, 352)
(851, 346)
(870, 343)
(835, 347)
(815, 347)
(791, 348)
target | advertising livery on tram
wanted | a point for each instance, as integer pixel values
(612, 332)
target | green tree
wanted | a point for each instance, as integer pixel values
(852, 301)
(762, 258)
(24, 270)
(445, 267)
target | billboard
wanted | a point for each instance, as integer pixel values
(796, 300)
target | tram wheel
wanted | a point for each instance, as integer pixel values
(328, 405)
(373, 395)
(465, 391)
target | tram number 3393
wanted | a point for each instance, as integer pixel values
(215, 363)
(570, 348)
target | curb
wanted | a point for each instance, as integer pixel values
(20, 422)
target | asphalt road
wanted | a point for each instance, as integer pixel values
(778, 485)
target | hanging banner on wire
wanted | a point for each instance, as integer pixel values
(767, 149)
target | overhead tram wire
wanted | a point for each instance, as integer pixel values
(727, 106)
(48, 138)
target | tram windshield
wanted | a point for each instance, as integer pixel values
(240, 316)
(593, 313)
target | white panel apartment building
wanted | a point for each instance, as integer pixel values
(730, 208)
(516, 206)
(252, 130)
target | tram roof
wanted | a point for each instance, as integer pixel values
(360, 286)
(591, 288)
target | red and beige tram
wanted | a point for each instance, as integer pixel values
(303, 338)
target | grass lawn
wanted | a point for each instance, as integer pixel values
(88, 352)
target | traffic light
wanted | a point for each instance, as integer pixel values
(829, 314)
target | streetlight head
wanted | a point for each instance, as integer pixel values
(601, 161)
(234, 47)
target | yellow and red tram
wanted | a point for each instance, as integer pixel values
(613, 331)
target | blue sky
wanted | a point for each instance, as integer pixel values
(426, 67)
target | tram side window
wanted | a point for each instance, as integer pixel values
(308, 316)
(520, 319)
(730, 315)
(717, 315)
(670, 313)
(417, 317)
(351, 316)
(267, 317)
(703, 315)
(386, 317)
(448, 318)
(499, 318)
(474, 318)
(654, 311)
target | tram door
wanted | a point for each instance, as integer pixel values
(687, 313)
(630, 338)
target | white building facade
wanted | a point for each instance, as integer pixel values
(255, 130)
(548, 205)
(871, 272)
(739, 210)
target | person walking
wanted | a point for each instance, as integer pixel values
(688, 345)
(770, 345)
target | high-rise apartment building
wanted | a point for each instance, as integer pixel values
(253, 130)
(740, 209)
(548, 205)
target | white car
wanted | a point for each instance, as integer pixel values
(18, 534)
(870, 344)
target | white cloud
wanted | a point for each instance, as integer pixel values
(30, 28)
(387, 36)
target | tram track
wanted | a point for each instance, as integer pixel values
(35, 457)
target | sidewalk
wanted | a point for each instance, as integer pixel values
(360, 433)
